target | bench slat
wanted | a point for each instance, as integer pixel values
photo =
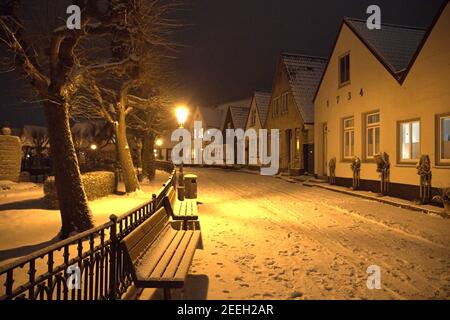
(186, 262)
(168, 254)
(172, 267)
(144, 235)
(186, 209)
(153, 256)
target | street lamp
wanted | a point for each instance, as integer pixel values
(93, 147)
(182, 114)
(159, 143)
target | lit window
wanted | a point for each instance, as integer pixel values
(372, 135)
(409, 140)
(284, 103)
(344, 69)
(444, 139)
(349, 138)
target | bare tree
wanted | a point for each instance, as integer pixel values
(54, 70)
(142, 35)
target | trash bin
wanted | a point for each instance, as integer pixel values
(190, 183)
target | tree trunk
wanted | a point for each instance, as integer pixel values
(148, 156)
(123, 149)
(75, 213)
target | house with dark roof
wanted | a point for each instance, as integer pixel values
(236, 114)
(257, 116)
(386, 91)
(231, 114)
(291, 110)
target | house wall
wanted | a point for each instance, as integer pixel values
(424, 94)
(256, 127)
(289, 121)
(427, 88)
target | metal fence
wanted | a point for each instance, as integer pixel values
(87, 266)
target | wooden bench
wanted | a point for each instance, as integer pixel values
(159, 254)
(185, 211)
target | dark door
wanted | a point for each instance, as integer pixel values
(308, 158)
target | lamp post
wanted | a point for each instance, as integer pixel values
(182, 114)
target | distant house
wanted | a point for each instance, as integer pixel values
(292, 112)
(257, 116)
(386, 91)
(236, 114)
(210, 118)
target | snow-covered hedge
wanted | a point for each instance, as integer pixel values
(96, 185)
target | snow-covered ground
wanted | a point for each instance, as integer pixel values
(265, 238)
(26, 226)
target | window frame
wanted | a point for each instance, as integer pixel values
(276, 105)
(348, 66)
(438, 138)
(349, 130)
(284, 103)
(253, 118)
(412, 161)
(367, 127)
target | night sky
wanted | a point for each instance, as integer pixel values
(231, 46)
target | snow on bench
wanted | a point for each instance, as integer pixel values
(159, 254)
(185, 211)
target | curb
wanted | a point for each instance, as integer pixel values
(380, 199)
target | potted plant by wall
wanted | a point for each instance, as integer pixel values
(444, 198)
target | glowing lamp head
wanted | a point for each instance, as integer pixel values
(182, 114)
(93, 147)
(159, 142)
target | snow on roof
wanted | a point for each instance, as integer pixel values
(213, 117)
(243, 103)
(239, 116)
(394, 44)
(262, 103)
(304, 73)
(223, 107)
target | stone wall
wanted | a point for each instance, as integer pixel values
(10, 158)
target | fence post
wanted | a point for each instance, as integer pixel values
(113, 259)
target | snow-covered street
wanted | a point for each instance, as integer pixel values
(265, 238)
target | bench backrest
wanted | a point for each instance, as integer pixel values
(143, 236)
(172, 196)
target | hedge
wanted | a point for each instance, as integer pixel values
(96, 185)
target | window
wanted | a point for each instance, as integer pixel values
(284, 103)
(344, 69)
(297, 143)
(409, 140)
(444, 139)
(349, 138)
(253, 118)
(372, 135)
(276, 106)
